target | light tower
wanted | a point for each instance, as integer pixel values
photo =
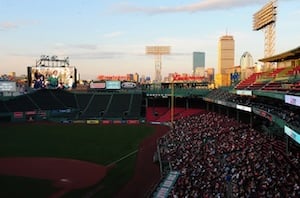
(265, 20)
(158, 51)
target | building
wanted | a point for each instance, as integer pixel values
(246, 60)
(209, 74)
(136, 77)
(247, 66)
(225, 60)
(198, 63)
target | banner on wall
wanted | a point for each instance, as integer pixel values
(293, 134)
(133, 121)
(18, 114)
(92, 121)
(293, 100)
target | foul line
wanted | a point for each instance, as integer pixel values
(124, 157)
(94, 191)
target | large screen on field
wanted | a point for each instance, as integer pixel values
(52, 77)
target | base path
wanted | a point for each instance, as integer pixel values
(147, 173)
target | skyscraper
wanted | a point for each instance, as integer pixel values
(246, 60)
(198, 63)
(225, 61)
(226, 54)
(247, 67)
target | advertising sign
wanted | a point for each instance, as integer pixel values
(18, 115)
(293, 134)
(114, 84)
(97, 85)
(293, 100)
(8, 86)
(128, 85)
(244, 108)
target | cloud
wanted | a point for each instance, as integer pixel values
(203, 5)
(85, 46)
(295, 13)
(75, 46)
(97, 55)
(76, 55)
(113, 34)
(96, 51)
(8, 25)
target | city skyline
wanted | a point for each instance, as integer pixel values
(109, 37)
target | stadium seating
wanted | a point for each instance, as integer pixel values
(96, 107)
(294, 71)
(281, 79)
(272, 86)
(3, 107)
(118, 107)
(249, 81)
(44, 99)
(21, 103)
(83, 100)
(66, 98)
(296, 87)
(134, 111)
(154, 113)
(219, 157)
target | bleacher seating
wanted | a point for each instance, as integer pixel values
(83, 100)
(118, 106)
(176, 114)
(257, 85)
(295, 87)
(273, 73)
(135, 107)
(163, 114)
(280, 79)
(65, 104)
(3, 107)
(44, 99)
(20, 103)
(249, 81)
(272, 86)
(66, 97)
(220, 157)
(97, 106)
(294, 71)
(154, 113)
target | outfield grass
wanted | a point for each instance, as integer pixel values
(102, 144)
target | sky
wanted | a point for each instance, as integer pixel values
(108, 37)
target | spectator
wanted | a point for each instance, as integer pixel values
(53, 80)
(219, 157)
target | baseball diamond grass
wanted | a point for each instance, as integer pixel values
(101, 144)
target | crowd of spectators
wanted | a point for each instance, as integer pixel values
(220, 157)
(289, 113)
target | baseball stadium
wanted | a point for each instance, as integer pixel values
(235, 134)
(124, 139)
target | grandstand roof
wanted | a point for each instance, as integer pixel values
(288, 55)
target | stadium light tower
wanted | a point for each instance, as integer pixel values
(158, 51)
(265, 19)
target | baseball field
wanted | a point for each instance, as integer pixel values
(69, 160)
